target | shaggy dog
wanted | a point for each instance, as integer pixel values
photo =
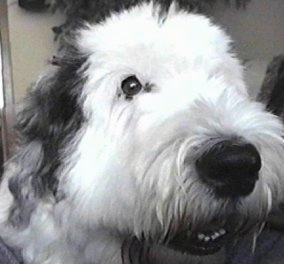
(141, 139)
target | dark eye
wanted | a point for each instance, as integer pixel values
(131, 86)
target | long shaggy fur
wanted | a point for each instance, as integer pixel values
(98, 10)
(96, 167)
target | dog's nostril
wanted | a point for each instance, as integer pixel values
(230, 168)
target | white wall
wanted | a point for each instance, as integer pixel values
(32, 44)
(258, 33)
(258, 30)
(1, 81)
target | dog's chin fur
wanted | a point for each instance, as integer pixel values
(95, 166)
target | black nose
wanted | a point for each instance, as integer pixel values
(230, 168)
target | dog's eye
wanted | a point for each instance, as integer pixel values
(131, 86)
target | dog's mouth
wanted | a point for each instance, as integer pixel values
(205, 241)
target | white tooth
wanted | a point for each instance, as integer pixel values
(222, 231)
(217, 234)
(213, 237)
(207, 238)
(201, 236)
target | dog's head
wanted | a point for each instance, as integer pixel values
(145, 126)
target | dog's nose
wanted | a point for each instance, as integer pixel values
(230, 168)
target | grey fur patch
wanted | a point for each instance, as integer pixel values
(50, 118)
(25, 196)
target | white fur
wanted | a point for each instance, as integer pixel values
(131, 171)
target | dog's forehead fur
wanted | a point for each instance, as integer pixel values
(182, 54)
(153, 45)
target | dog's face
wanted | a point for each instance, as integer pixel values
(172, 142)
(171, 148)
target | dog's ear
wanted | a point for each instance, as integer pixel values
(50, 118)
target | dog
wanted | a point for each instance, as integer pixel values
(141, 140)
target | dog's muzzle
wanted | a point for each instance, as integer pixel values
(230, 168)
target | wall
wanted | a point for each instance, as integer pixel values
(258, 33)
(258, 30)
(32, 44)
(1, 81)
